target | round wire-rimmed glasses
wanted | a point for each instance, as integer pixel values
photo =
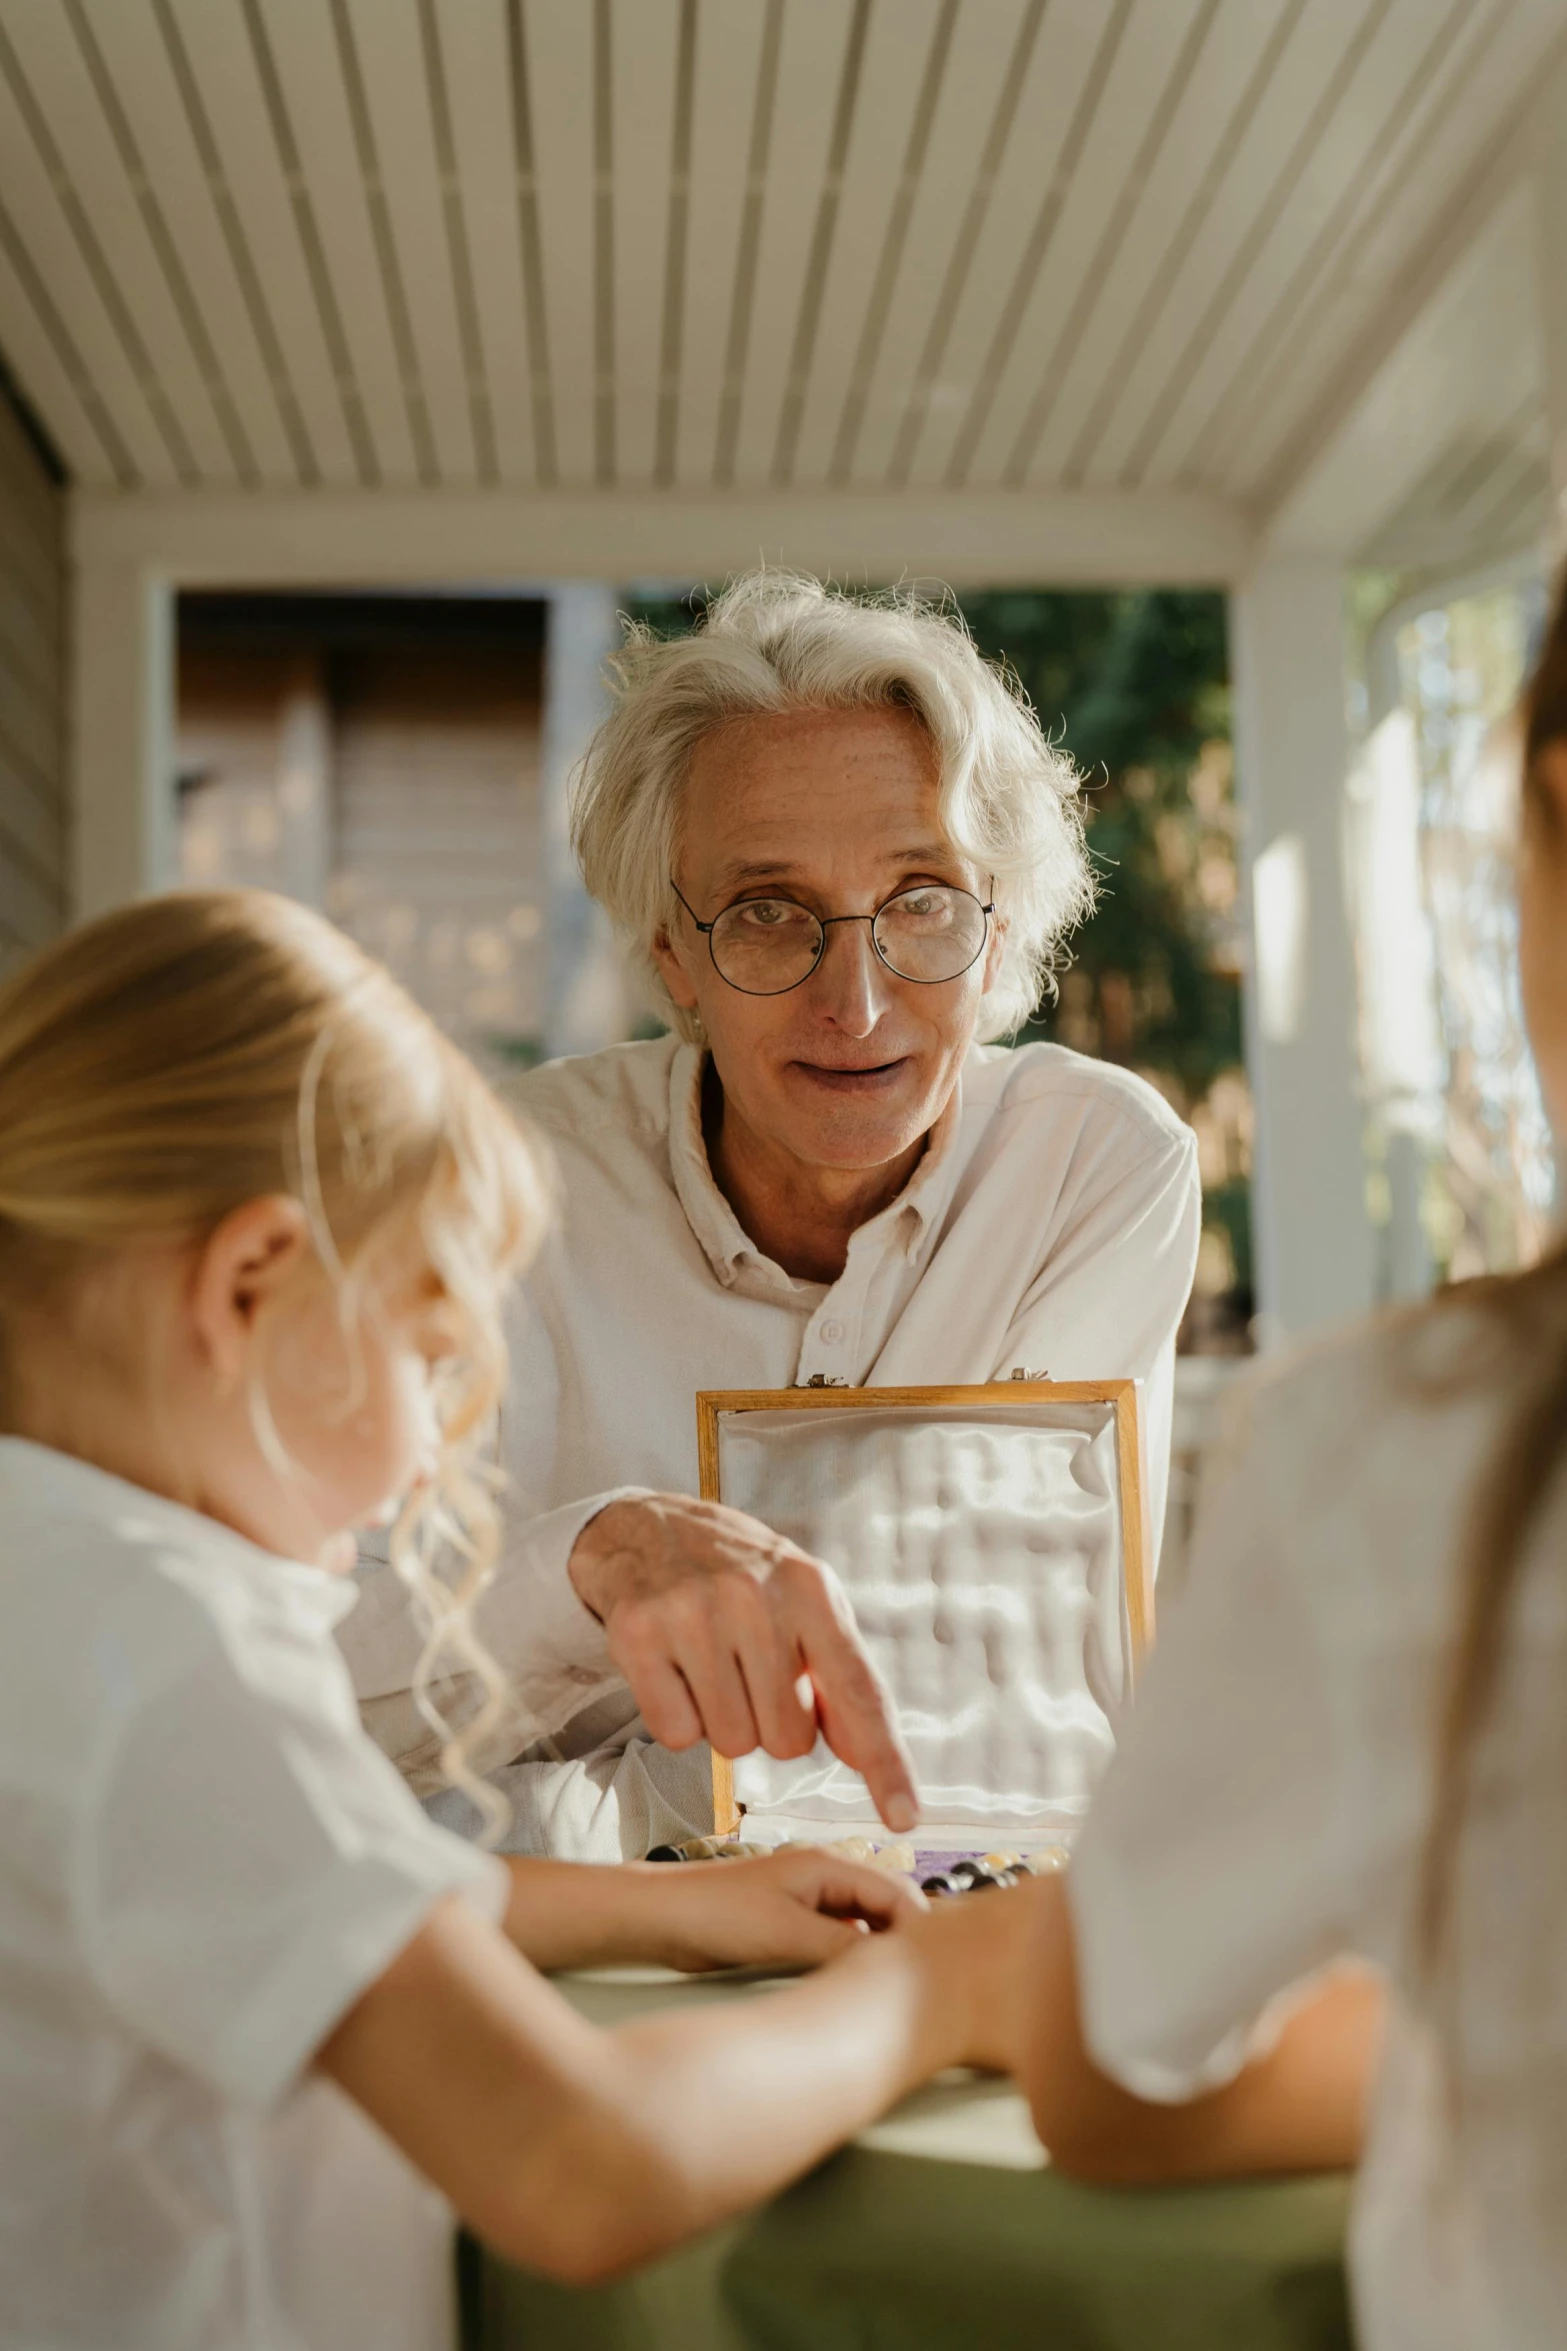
(766, 946)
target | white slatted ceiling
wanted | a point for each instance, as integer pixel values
(302, 38)
(1141, 75)
(229, 92)
(1066, 52)
(164, 138)
(1497, 50)
(971, 54)
(135, 284)
(897, 64)
(477, 64)
(941, 243)
(642, 124)
(731, 46)
(402, 109)
(1362, 117)
(69, 307)
(1188, 157)
(811, 93)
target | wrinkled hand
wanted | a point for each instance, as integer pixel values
(789, 1910)
(726, 1632)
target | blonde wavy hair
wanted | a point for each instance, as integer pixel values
(177, 1058)
(777, 641)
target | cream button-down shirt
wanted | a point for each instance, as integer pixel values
(1052, 1223)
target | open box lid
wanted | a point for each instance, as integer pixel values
(994, 1543)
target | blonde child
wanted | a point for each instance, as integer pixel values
(262, 2024)
(1353, 1743)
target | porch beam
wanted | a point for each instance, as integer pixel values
(1077, 538)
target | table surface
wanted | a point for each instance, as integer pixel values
(939, 2229)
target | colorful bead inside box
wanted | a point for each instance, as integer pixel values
(992, 1541)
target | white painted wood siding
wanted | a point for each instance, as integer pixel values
(32, 688)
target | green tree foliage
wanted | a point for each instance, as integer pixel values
(1135, 686)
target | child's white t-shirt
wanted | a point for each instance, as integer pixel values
(203, 1863)
(1268, 1809)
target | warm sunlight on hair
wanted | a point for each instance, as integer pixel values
(167, 1064)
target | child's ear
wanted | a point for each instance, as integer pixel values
(241, 1266)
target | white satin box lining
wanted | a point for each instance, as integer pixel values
(982, 1548)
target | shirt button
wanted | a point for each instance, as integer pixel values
(832, 1332)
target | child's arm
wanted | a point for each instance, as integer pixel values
(1300, 2107)
(582, 2153)
(787, 1910)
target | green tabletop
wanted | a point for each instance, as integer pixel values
(942, 2231)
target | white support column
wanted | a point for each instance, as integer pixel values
(304, 785)
(585, 997)
(1548, 176)
(1311, 1235)
(122, 796)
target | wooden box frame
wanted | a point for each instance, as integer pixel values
(713, 1404)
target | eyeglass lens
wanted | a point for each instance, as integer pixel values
(766, 945)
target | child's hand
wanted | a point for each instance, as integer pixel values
(977, 1948)
(786, 1910)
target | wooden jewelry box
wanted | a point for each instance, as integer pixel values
(994, 1543)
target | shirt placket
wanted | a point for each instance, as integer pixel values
(836, 1342)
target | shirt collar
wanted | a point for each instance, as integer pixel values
(79, 1489)
(905, 1223)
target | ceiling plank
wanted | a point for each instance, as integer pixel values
(1380, 93)
(1018, 217)
(38, 350)
(1322, 37)
(477, 66)
(559, 43)
(179, 177)
(28, 194)
(319, 117)
(644, 56)
(815, 102)
(1437, 383)
(107, 184)
(401, 99)
(1170, 206)
(1148, 75)
(733, 44)
(212, 51)
(940, 128)
(874, 202)
(1467, 118)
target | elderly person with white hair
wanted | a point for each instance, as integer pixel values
(844, 854)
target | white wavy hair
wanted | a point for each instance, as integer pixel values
(777, 641)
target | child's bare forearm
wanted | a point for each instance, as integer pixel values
(743, 2101)
(1299, 2107)
(584, 1914)
(582, 2153)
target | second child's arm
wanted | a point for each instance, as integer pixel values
(582, 2153)
(1298, 2107)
